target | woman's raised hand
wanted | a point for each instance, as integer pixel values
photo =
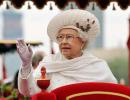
(25, 52)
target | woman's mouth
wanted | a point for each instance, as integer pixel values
(65, 48)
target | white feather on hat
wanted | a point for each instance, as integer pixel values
(85, 22)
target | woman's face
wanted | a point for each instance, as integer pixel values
(70, 43)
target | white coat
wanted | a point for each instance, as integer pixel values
(61, 71)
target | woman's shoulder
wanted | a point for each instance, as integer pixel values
(94, 58)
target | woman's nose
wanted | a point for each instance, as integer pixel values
(64, 40)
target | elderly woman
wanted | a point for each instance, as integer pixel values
(72, 30)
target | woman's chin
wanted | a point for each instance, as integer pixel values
(65, 53)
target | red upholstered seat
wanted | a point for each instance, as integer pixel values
(92, 91)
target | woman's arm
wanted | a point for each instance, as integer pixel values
(26, 82)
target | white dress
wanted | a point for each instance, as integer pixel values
(61, 71)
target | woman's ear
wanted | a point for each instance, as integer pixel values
(84, 44)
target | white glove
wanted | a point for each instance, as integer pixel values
(25, 53)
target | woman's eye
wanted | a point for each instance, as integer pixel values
(70, 36)
(59, 36)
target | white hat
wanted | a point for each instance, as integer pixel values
(83, 21)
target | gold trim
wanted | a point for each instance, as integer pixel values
(14, 42)
(97, 92)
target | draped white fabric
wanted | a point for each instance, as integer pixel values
(86, 68)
